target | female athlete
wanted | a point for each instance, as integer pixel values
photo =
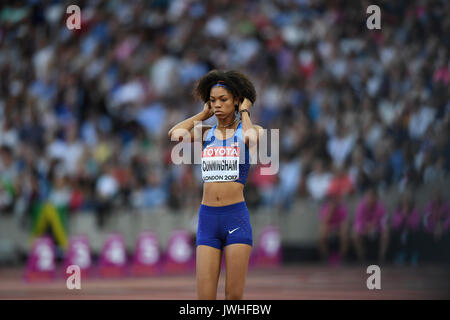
(224, 222)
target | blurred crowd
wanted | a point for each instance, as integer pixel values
(84, 114)
(409, 234)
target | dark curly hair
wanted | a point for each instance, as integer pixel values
(237, 84)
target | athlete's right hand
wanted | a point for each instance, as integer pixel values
(207, 110)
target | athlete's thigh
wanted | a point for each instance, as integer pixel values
(208, 262)
(237, 256)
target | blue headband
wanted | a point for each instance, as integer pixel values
(220, 85)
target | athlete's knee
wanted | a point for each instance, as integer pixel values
(233, 294)
(206, 295)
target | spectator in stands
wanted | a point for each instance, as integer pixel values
(405, 228)
(107, 189)
(8, 174)
(266, 185)
(370, 233)
(436, 222)
(341, 184)
(290, 176)
(333, 224)
(340, 146)
(318, 181)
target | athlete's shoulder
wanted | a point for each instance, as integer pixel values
(206, 128)
(206, 131)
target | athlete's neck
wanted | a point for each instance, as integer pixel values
(227, 122)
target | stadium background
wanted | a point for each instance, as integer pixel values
(84, 115)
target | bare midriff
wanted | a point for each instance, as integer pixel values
(217, 194)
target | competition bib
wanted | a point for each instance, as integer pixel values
(220, 164)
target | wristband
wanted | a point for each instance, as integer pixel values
(245, 110)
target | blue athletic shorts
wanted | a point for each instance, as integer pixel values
(221, 226)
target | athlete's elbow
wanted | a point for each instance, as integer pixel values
(251, 139)
(177, 135)
(171, 134)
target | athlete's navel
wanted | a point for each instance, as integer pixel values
(217, 198)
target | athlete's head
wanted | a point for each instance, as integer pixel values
(225, 90)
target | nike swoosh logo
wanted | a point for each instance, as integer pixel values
(231, 231)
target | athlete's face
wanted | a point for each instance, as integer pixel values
(222, 102)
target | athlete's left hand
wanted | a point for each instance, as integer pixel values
(245, 105)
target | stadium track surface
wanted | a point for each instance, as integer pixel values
(296, 282)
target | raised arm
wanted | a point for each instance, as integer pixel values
(184, 130)
(251, 132)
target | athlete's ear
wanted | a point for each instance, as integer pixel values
(236, 104)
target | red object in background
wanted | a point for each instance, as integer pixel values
(76, 200)
(122, 175)
(340, 185)
(274, 43)
(168, 156)
(261, 180)
(308, 69)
